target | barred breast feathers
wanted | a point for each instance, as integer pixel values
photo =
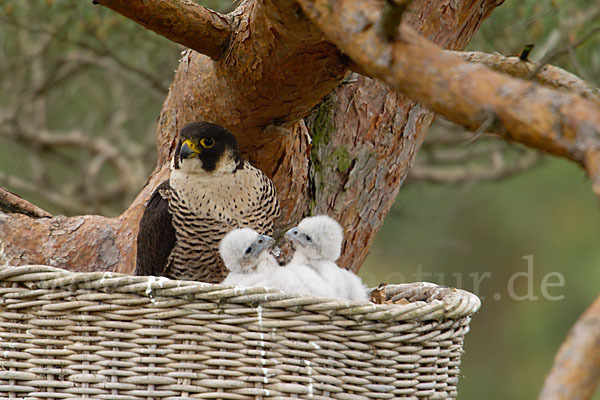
(235, 196)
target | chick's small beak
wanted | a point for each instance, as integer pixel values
(186, 150)
(293, 236)
(267, 242)
(292, 233)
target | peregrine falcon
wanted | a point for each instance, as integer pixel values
(318, 243)
(211, 191)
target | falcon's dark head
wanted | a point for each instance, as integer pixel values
(205, 147)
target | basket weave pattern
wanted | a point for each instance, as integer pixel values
(100, 335)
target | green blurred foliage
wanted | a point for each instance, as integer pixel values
(451, 232)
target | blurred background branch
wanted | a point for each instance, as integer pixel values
(13, 203)
(451, 156)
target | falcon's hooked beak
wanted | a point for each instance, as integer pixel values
(188, 150)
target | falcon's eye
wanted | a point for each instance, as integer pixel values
(249, 250)
(207, 143)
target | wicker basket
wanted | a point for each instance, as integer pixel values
(101, 335)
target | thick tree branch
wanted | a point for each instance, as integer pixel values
(467, 94)
(366, 135)
(549, 75)
(181, 21)
(576, 367)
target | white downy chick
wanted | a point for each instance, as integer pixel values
(246, 255)
(318, 242)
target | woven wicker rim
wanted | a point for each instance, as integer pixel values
(440, 302)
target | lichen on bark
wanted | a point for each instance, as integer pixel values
(321, 126)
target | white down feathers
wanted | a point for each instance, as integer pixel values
(318, 243)
(312, 270)
(247, 257)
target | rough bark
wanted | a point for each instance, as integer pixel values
(576, 367)
(87, 243)
(365, 137)
(276, 68)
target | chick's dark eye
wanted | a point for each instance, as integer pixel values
(308, 238)
(249, 250)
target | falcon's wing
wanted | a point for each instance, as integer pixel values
(156, 236)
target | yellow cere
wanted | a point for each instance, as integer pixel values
(191, 145)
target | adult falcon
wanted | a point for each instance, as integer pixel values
(211, 191)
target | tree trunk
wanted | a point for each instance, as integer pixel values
(273, 71)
